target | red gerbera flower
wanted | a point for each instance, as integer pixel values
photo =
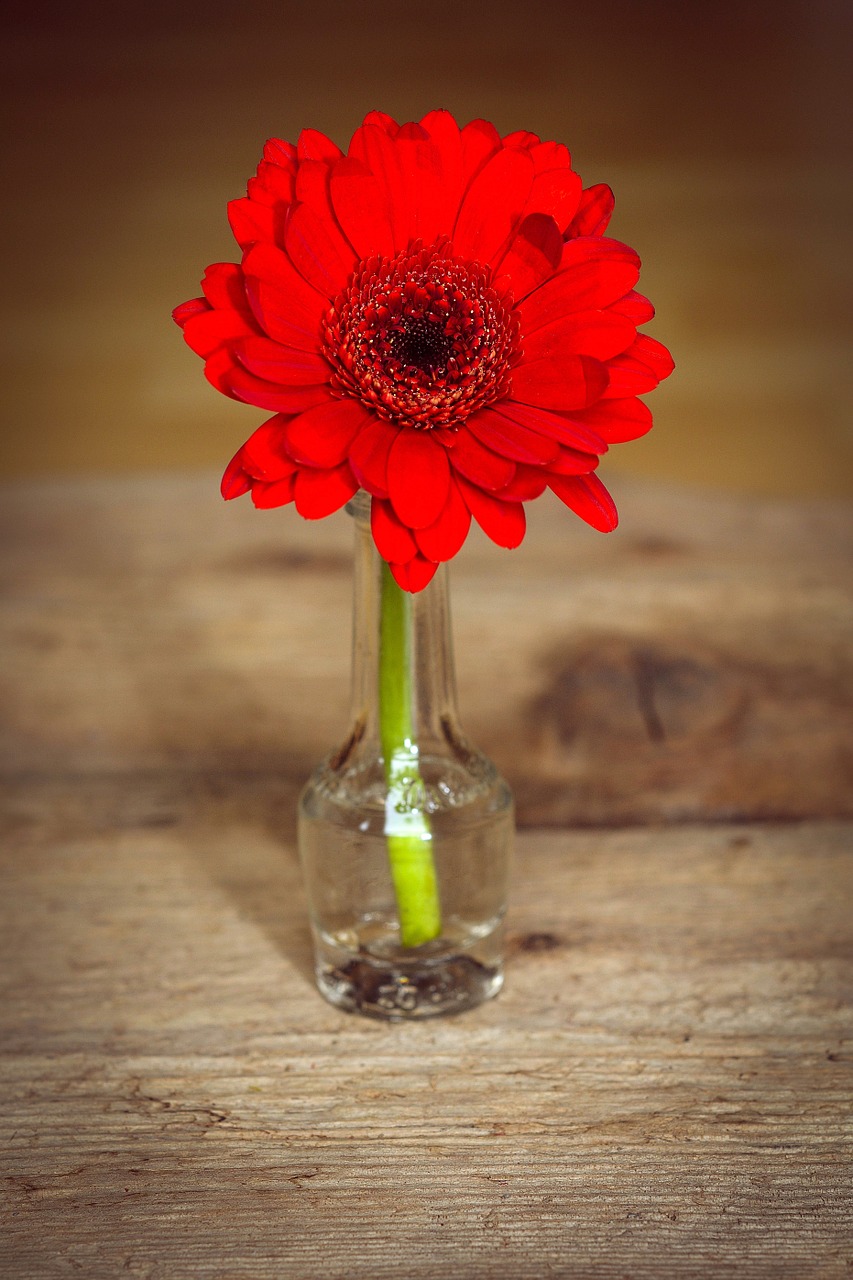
(436, 317)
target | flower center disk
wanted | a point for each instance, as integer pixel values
(422, 338)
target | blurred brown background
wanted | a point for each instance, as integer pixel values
(723, 130)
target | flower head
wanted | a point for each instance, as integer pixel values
(436, 317)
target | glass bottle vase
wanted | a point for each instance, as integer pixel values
(406, 830)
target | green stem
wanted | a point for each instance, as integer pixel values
(406, 825)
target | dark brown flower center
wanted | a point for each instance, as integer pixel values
(421, 342)
(422, 338)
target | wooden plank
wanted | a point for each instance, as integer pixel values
(662, 1089)
(666, 1077)
(687, 669)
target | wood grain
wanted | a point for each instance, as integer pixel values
(696, 666)
(663, 1087)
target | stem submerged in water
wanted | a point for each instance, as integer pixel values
(406, 826)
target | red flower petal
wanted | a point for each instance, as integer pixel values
(637, 308)
(318, 250)
(445, 134)
(382, 118)
(588, 333)
(588, 498)
(421, 185)
(594, 272)
(534, 254)
(187, 310)
(653, 354)
(277, 363)
(527, 484)
(429, 195)
(272, 186)
(640, 369)
(207, 331)
(575, 432)
(394, 541)
(480, 141)
(263, 455)
(571, 462)
(618, 420)
(321, 437)
(312, 187)
(418, 478)
(594, 211)
(369, 455)
(376, 149)
(571, 383)
(235, 482)
(477, 463)
(319, 493)
(275, 493)
(504, 522)
(629, 378)
(260, 460)
(415, 574)
(442, 539)
(285, 305)
(361, 205)
(217, 370)
(492, 206)
(521, 138)
(238, 383)
(556, 192)
(550, 155)
(223, 286)
(511, 439)
(251, 222)
(313, 145)
(279, 152)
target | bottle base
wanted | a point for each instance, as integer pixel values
(399, 989)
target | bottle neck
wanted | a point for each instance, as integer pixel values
(402, 663)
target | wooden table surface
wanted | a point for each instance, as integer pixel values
(663, 1087)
